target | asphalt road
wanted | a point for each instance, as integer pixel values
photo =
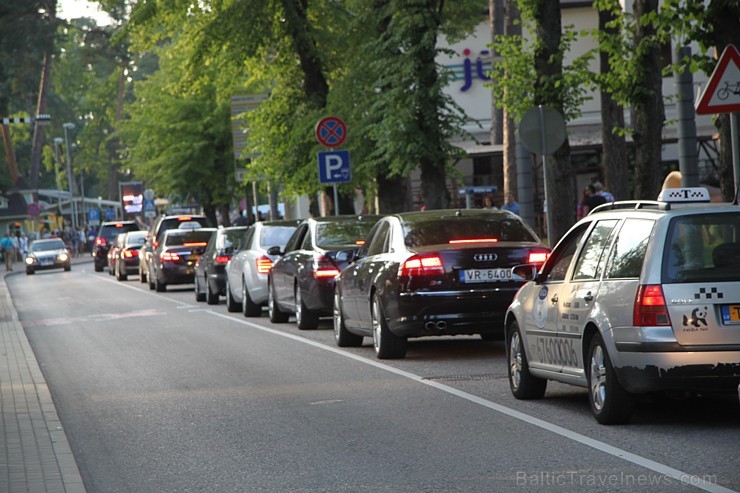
(159, 393)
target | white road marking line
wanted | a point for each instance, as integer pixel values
(683, 477)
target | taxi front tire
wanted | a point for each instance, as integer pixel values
(523, 384)
(610, 403)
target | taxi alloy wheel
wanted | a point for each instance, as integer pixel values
(342, 336)
(249, 307)
(387, 344)
(610, 403)
(523, 384)
(273, 311)
(305, 318)
(199, 294)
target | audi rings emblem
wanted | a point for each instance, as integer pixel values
(485, 257)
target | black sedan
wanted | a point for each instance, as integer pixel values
(432, 273)
(48, 254)
(210, 269)
(302, 279)
(173, 261)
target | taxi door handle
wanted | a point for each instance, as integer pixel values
(554, 299)
(589, 296)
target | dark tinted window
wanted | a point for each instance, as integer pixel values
(275, 236)
(339, 234)
(40, 246)
(296, 238)
(379, 242)
(175, 222)
(183, 237)
(629, 249)
(110, 231)
(442, 231)
(703, 248)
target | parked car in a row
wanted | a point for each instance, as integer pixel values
(173, 260)
(210, 276)
(106, 237)
(247, 271)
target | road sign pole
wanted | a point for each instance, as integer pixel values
(548, 208)
(336, 200)
(735, 136)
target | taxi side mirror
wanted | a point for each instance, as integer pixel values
(527, 272)
(274, 250)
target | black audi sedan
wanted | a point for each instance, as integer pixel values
(445, 272)
(173, 261)
(301, 281)
(210, 269)
(107, 235)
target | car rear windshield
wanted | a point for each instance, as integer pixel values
(175, 222)
(443, 231)
(703, 248)
(188, 238)
(110, 231)
(338, 234)
(276, 236)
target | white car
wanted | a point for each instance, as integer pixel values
(638, 297)
(246, 272)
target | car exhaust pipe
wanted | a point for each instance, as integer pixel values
(440, 325)
(429, 325)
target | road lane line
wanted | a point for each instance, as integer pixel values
(683, 477)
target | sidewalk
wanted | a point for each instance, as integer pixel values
(34, 453)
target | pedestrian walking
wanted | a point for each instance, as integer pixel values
(8, 250)
(511, 204)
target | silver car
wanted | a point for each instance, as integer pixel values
(637, 297)
(246, 272)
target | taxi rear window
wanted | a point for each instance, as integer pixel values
(702, 248)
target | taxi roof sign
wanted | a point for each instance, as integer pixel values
(686, 194)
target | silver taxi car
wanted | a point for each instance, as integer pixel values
(638, 297)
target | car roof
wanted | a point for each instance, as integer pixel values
(444, 214)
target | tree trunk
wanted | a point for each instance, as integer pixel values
(512, 27)
(38, 135)
(561, 176)
(614, 160)
(393, 194)
(648, 110)
(496, 22)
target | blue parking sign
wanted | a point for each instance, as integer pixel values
(334, 167)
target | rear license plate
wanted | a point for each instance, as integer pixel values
(730, 314)
(486, 275)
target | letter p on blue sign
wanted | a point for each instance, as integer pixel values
(334, 167)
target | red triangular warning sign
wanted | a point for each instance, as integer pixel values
(722, 93)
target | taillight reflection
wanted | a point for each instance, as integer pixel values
(264, 264)
(323, 268)
(537, 257)
(222, 259)
(422, 265)
(170, 257)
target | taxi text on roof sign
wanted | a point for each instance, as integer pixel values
(689, 194)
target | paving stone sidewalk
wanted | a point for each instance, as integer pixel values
(35, 455)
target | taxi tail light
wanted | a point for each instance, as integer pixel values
(170, 257)
(324, 268)
(422, 265)
(222, 259)
(537, 256)
(650, 308)
(264, 265)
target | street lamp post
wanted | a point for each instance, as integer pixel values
(57, 143)
(67, 127)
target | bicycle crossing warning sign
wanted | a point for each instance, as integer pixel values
(722, 93)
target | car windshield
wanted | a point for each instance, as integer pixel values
(275, 236)
(40, 246)
(335, 234)
(703, 248)
(443, 231)
(183, 237)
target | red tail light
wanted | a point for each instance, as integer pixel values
(195, 243)
(184, 218)
(222, 259)
(650, 308)
(130, 253)
(324, 268)
(422, 265)
(170, 257)
(100, 241)
(264, 265)
(538, 256)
